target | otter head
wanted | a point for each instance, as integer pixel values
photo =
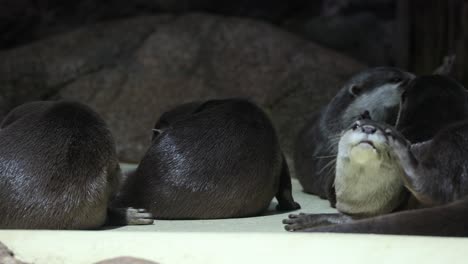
(429, 104)
(368, 175)
(364, 142)
(377, 90)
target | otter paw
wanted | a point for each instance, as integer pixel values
(288, 206)
(397, 142)
(297, 222)
(138, 216)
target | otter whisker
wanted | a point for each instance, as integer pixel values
(329, 165)
(331, 168)
(333, 144)
(325, 157)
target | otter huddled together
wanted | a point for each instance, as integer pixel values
(388, 142)
(426, 151)
(216, 159)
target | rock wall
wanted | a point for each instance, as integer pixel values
(132, 70)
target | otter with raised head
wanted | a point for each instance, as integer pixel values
(59, 169)
(368, 179)
(216, 159)
(434, 111)
(376, 90)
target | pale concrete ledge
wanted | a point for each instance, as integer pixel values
(46, 247)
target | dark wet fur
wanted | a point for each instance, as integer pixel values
(216, 159)
(58, 167)
(315, 146)
(440, 178)
(444, 102)
(448, 220)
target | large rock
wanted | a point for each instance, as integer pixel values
(22, 21)
(7, 257)
(131, 71)
(126, 260)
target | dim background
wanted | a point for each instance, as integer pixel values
(133, 60)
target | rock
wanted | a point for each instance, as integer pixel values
(23, 21)
(363, 35)
(126, 260)
(133, 70)
(7, 257)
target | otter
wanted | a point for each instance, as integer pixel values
(368, 179)
(376, 90)
(59, 169)
(434, 115)
(209, 160)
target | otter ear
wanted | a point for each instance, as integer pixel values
(156, 132)
(355, 90)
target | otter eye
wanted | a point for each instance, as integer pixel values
(355, 90)
(396, 79)
(355, 126)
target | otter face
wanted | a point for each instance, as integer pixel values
(377, 90)
(363, 143)
(368, 178)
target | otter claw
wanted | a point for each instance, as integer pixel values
(139, 216)
(296, 222)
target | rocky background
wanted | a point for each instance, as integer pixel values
(132, 60)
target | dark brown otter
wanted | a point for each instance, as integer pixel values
(216, 159)
(377, 91)
(59, 169)
(434, 115)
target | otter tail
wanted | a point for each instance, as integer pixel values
(446, 220)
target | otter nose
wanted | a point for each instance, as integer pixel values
(368, 129)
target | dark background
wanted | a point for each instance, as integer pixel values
(132, 60)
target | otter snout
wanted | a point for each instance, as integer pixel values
(363, 142)
(368, 129)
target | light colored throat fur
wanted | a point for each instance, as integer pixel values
(378, 102)
(371, 188)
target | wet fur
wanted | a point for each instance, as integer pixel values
(58, 167)
(317, 144)
(436, 169)
(217, 159)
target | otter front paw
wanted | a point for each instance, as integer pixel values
(402, 149)
(397, 142)
(128, 216)
(138, 216)
(297, 222)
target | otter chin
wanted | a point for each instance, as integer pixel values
(363, 152)
(368, 175)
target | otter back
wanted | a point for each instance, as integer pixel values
(57, 167)
(217, 159)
